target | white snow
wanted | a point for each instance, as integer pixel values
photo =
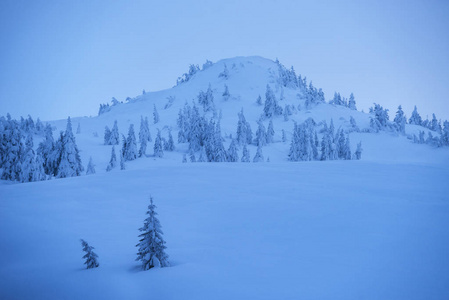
(377, 228)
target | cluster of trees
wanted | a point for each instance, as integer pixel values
(339, 100)
(106, 107)
(206, 99)
(305, 145)
(434, 140)
(111, 137)
(151, 246)
(20, 162)
(193, 69)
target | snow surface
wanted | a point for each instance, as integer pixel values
(377, 228)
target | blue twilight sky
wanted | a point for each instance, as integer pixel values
(60, 58)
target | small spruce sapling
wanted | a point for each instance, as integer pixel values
(90, 257)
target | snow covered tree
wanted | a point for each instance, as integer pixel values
(270, 132)
(151, 245)
(206, 99)
(284, 136)
(259, 101)
(232, 152)
(28, 163)
(261, 135)
(69, 158)
(90, 256)
(158, 150)
(203, 156)
(400, 120)
(415, 119)
(226, 94)
(122, 161)
(114, 138)
(192, 155)
(245, 155)
(144, 136)
(225, 73)
(170, 144)
(358, 151)
(39, 172)
(155, 114)
(271, 107)
(244, 133)
(45, 150)
(184, 158)
(259, 155)
(434, 124)
(351, 103)
(78, 129)
(130, 147)
(107, 135)
(113, 161)
(90, 167)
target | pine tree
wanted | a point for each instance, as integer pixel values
(192, 155)
(90, 167)
(39, 172)
(113, 161)
(158, 150)
(69, 158)
(271, 107)
(400, 120)
(232, 152)
(358, 151)
(170, 145)
(78, 129)
(107, 135)
(155, 114)
(284, 136)
(151, 245)
(245, 155)
(351, 103)
(259, 101)
(261, 135)
(90, 257)
(114, 138)
(259, 155)
(122, 162)
(415, 119)
(225, 73)
(130, 151)
(270, 132)
(28, 163)
(226, 94)
(203, 156)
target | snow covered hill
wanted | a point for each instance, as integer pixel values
(375, 228)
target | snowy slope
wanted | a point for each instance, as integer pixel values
(370, 229)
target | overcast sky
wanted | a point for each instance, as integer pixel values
(60, 58)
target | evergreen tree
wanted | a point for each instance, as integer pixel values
(284, 136)
(155, 114)
(151, 245)
(434, 124)
(39, 172)
(69, 158)
(226, 94)
(400, 120)
(225, 73)
(259, 155)
(107, 135)
(122, 161)
(28, 163)
(232, 152)
(203, 156)
(415, 119)
(90, 167)
(90, 257)
(351, 103)
(259, 100)
(353, 123)
(270, 132)
(158, 150)
(261, 135)
(192, 155)
(114, 138)
(130, 152)
(113, 161)
(170, 145)
(358, 151)
(245, 155)
(143, 137)
(78, 129)
(271, 107)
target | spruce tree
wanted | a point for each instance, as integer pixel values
(415, 119)
(28, 162)
(261, 135)
(351, 103)
(232, 152)
(155, 114)
(39, 172)
(400, 120)
(90, 167)
(78, 129)
(192, 155)
(358, 151)
(245, 155)
(131, 145)
(270, 132)
(151, 245)
(70, 160)
(259, 101)
(107, 135)
(226, 94)
(158, 150)
(113, 161)
(114, 138)
(259, 155)
(90, 256)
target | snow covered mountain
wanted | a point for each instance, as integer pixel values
(374, 228)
